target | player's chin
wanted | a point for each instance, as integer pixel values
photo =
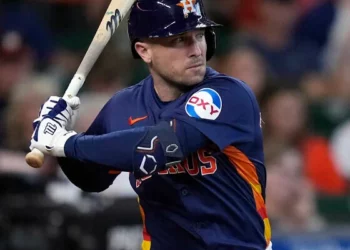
(195, 74)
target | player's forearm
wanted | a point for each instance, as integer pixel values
(113, 149)
(142, 150)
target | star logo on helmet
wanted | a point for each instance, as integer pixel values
(189, 7)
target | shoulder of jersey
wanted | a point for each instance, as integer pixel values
(206, 102)
(227, 82)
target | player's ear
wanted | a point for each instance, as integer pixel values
(143, 49)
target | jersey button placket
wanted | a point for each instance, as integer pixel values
(200, 225)
(184, 192)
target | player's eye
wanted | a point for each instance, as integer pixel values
(179, 39)
(200, 36)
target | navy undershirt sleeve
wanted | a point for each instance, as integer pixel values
(117, 149)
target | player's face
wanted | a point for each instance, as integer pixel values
(180, 60)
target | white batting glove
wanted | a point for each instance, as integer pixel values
(50, 134)
(74, 104)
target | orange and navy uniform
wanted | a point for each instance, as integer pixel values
(214, 198)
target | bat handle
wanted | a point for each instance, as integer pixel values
(74, 86)
(35, 158)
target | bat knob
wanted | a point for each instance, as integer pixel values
(35, 159)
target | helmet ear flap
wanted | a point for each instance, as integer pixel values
(210, 37)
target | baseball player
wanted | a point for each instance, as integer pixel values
(189, 136)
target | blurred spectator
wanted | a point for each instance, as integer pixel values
(284, 114)
(285, 117)
(247, 65)
(322, 117)
(314, 86)
(108, 74)
(291, 200)
(329, 112)
(73, 34)
(225, 13)
(316, 21)
(308, 5)
(20, 16)
(23, 108)
(321, 164)
(248, 11)
(16, 63)
(337, 42)
(80, 22)
(273, 37)
(334, 109)
(321, 168)
(247, 14)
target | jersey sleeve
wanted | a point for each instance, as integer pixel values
(224, 110)
(90, 177)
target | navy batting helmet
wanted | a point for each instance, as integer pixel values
(164, 18)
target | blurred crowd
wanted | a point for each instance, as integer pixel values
(294, 54)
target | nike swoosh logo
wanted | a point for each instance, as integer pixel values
(133, 121)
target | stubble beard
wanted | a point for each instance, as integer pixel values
(182, 86)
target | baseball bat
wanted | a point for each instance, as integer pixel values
(115, 13)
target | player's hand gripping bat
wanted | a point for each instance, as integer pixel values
(116, 11)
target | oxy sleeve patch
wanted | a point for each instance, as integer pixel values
(205, 104)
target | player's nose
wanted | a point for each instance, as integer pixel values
(195, 47)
